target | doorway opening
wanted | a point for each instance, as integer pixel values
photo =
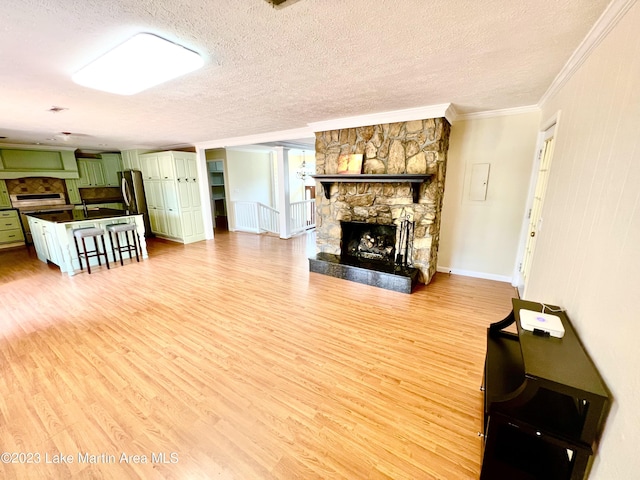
(217, 188)
(533, 219)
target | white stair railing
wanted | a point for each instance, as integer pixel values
(255, 217)
(303, 216)
(246, 216)
(269, 219)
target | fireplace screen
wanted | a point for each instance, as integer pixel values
(367, 241)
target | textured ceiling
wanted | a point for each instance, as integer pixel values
(270, 69)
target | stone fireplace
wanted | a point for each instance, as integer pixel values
(402, 181)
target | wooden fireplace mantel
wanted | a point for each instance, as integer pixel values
(414, 179)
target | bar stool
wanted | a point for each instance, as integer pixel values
(117, 229)
(90, 232)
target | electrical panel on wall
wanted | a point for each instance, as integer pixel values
(479, 181)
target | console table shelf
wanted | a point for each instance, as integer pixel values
(414, 179)
(545, 403)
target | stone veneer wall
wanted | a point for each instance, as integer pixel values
(414, 147)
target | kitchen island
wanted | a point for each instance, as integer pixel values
(53, 237)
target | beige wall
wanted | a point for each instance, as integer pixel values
(480, 238)
(587, 257)
(249, 176)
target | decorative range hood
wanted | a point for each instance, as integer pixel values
(18, 161)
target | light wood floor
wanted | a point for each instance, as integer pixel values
(231, 356)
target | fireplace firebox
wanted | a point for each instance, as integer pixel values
(367, 242)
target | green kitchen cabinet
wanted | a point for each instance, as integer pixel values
(73, 192)
(18, 162)
(111, 164)
(130, 159)
(10, 229)
(5, 201)
(91, 173)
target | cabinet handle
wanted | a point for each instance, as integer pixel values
(481, 435)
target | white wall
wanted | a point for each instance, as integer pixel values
(480, 238)
(249, 176)
(587, 257)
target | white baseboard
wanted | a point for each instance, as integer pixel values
(471, 273)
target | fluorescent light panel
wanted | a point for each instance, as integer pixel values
(139, 63)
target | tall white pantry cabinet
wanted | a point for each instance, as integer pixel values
(173, 196)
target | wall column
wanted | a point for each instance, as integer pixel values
(284, 198)
(205, 193)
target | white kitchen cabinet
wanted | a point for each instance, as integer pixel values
(37, 235)
(186, 167)
(54, 241)
(150, 166)
(191, 209)
(173, 195)
(45, 240)
(166, 167)
(5, 201)
(111, 164)
(157, 166)
(156, 207)
(172, 209)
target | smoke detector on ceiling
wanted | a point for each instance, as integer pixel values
(56, 109)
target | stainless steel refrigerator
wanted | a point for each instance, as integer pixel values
(135, 201)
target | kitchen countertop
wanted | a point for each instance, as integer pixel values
(78, 215)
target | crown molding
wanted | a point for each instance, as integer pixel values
(29, 146)
(498, 113)
(609, 19)
(445, 110)
(281, 135)
(252, 148)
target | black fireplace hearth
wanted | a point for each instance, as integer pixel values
(368, 255)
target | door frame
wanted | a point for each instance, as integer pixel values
(547, 128)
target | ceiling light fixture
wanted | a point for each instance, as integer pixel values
(304, 171)
(143, 61)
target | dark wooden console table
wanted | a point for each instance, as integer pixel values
(544, 403)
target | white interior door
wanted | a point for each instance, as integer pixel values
(534, 212)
